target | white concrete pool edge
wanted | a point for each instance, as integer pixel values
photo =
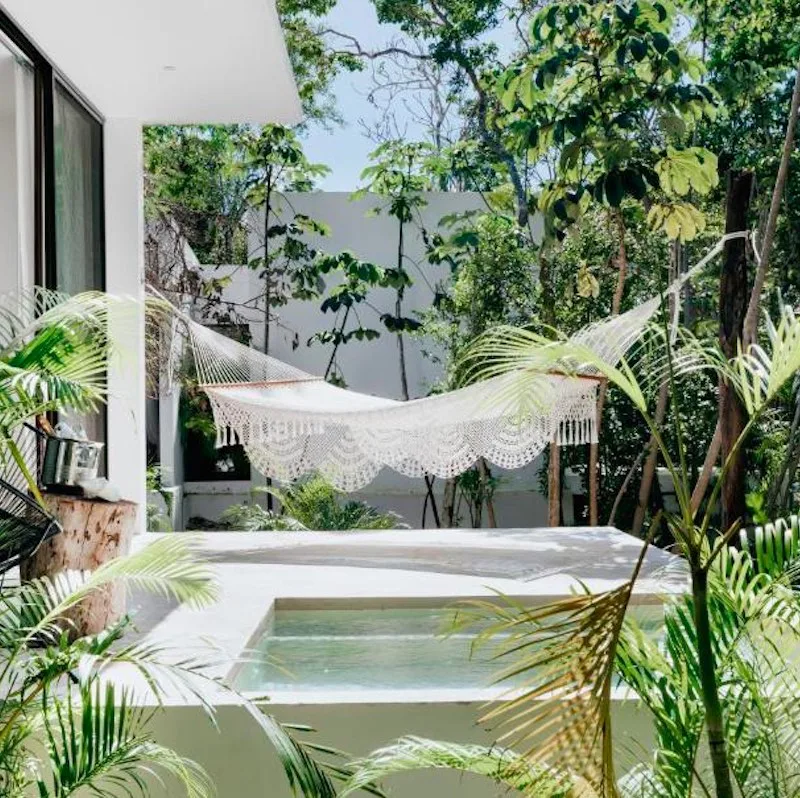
(251, 587)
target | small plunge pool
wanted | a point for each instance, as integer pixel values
(313, 650)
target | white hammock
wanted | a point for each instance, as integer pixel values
(291, 423)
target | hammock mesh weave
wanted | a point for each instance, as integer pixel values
(292, 423)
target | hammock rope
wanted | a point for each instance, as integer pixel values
(292, 423)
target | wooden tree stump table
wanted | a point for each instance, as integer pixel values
(94, 532)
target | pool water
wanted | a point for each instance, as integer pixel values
(309, 650)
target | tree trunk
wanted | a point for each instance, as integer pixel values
(398, 311)
(708, 682)
(491, 518)
(554, 462)
(616, 304)
(449, 502)
(649, 470)
(612, 516)
(751, 320)
(267, 270)
(430, 498)
(712, 455)
(554, 486)
(93, 532)
(733, 295)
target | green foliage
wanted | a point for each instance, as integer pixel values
(774, 547)
(399, 174)
(502, 766)
(315, 65)
(312, 504)
(252, 517)
(608, 94)
(194, 177)
(588, 253)
(201, 183)
(564, 649)
(754, 615)
(353, 281)
(89, 732)
(492, 281)
(275, 163)
(54, 355)
(157, 520)
(316, 504)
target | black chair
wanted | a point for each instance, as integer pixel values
(24, 526)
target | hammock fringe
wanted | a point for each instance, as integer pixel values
(292, 423)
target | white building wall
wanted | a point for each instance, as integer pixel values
(241, 762)
(125, 277)
(368, 366)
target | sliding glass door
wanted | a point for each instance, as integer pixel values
(51, 181)
(78, 161)
(79, 234)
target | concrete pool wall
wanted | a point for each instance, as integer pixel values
(392, 568)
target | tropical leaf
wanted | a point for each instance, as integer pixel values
(692, 168)
(54, 356)
(501, 765)
(559, 666)
(759, 373)
(303, 772)
(98, 739)
(679, 220)
(166, 567)
(774, 546)
(754, 616)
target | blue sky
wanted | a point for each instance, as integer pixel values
(344, 148)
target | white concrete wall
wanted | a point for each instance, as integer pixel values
(370, 367)
(241, 762)
(125, 277)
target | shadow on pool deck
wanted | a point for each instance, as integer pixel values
(602, 554)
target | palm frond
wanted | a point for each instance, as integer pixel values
(303, 772)
(165, 567)
(98, 739)
(501, 765)
(665, 678)
(759, 374)
(755, 618)
(560, 673)
(168, 567)
(774, 546)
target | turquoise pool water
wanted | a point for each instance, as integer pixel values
(368, 649)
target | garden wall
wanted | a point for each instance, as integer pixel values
(368, 366)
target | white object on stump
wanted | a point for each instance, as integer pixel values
(93, 532)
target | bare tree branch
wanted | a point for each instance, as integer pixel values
(358, 50)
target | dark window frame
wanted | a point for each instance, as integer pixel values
(46, 75)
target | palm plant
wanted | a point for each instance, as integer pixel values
(56, 689)
(564, 653)
(310, 504)
(61, 691)
(754, 615)
(58, 693)
(54, 355)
